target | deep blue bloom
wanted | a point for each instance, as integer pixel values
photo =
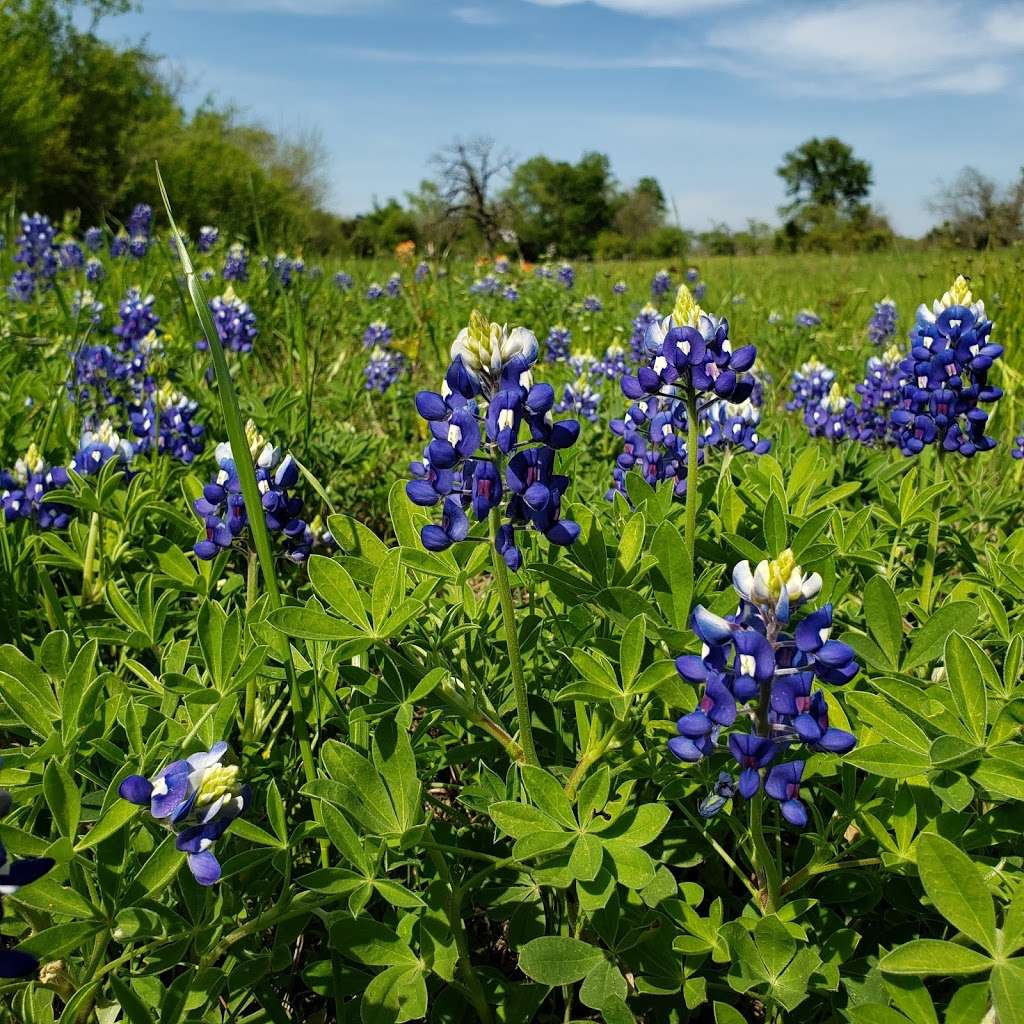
(378, 333)
(592, 304)
(882, 325)
(235, 322)
(394, 285)
(783, 784)
(141, 220)
(558, 344)
(580, 400)
(385, 366)
(236, 264)
(98, 446)
(137, 319)
(619, 288)
(343, 281)
(35, 245)
(661, 284)
(94, 239)
(24, 490)
(422, 271)
(22, 287)
(197, 798)
(807, 319)
(1018, 446)
(374, 291)
(71, 256)
(810, 384)
(165, 421)
(566, 275)
(207, 238)
(487, 285)
(94, 271)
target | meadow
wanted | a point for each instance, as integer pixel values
(366, 657)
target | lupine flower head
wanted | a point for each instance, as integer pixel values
(35, 245)
(234, 320)
(810, 384)
(71, 256)
(94, 239)
(119, 245)
(619, 288)
(197, 798)
(378, 333)
(222, 507)
(661, 284)
(165, 420)
(566, 275)
(592, 304)
(643, 320)
(94, 271)
(735, 424)
(510, 293)
(882, 325)
(343, 280)
(422, 271)
(689, 348)
(207, 238)
(236, 264)
(137, 318)
(880, 393)
(947, 377)
(491, 366)
(581, 400)
(486, 285)
(557, 345)
(807, 319)
(22, 287)
(100, 445)
(283, 269)
(613, 365)
(1018, 445)
(394, 285)
(748, 664)
(384, 367)
(85, 304)
(374, 291)
(13, 875)
(24, 488)
(834, 417)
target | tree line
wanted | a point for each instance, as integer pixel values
(83, 121)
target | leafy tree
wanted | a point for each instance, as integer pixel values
(560, 204)
(977, 212)
(824, 172)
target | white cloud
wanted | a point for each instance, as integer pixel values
(482, 17)
(890, 48)
(649, 8)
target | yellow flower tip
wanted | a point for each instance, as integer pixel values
(686, 310)
(254, 438)
(217, 782)
(229, 295)
(959, 293)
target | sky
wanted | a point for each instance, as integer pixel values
(706, 95)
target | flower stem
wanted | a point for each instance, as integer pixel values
(928, 573)
(692, 459)
(252, 579)
(90, 559)
(508, 614)
(764, 864)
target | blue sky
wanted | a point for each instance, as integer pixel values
(706, 95)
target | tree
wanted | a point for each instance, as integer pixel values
(824, 172)
(977, 212)
(640, 211)
(467, 173)
(556, 203)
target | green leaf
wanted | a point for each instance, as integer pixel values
(558, 959)
(309, 624)
(363, 793)
(61, 939)
(672, 576)
(929, 639)
(520, 820)
(964, 676)
(775, 531)
(370, 942)
(956, 887)
(604, 982)
(159, 870)
(394, 759)
(631, 650)
(334, 585)
(934, 956)
(395, 995)
(882, 614)
(890, 761)
(356, 539)
(725, 1014)
(548, 795)
(63, 798)
(275, 812)
(585, 859)
(1007, 983)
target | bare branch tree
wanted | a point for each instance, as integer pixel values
(467, 174)
(977, 212)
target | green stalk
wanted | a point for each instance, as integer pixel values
(764, 863)
(252, 582)
(250, 493)
(508, 614)
(928, 573)
(691, 476)
(90, 559)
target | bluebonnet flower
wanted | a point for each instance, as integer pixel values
(236, 264)
(378, 333)
(283, 269)
(592, 304)
(207, 238)
(102, 377)
(422, 271)
(35, 242)
(698, 290)
(177, 434)
(197, 798)
(100, 445)
(834, 417)
(374, 291)
(71, 256)
(394, 285)
(138, 320)
(614, 363)
(343, 280)
(661, 283)
(222, 507)
(94, 271)
(735, 424)
(947, 377)
(94, 239)
(141, 220)
(510, 293)
(235, 322)
(22, 287)
(492, 366)
(810, 384)
(501, 264)
(581, 400)
(585, 364)
(543, 272)
(691, 350)
(383, 369)
(750, 666)
(299, 265)
(557, 345)
(880, 393)
(882, 325)
(119, 245)
(24, 488)
(1018, 446)
(619, 288)
(648, 315)
(807, 319)
(566, 275)
(692, 275)
(486, 285)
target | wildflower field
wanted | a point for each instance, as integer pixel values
(421, 639)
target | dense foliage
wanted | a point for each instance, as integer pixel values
(414, 639)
